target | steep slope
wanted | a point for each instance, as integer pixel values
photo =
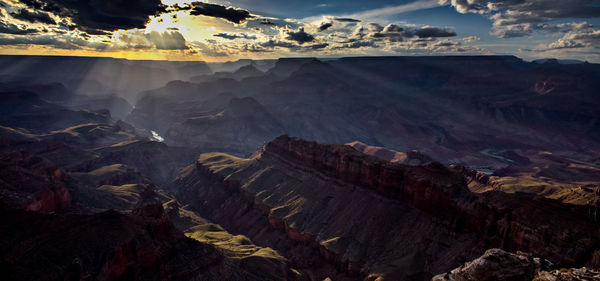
(369, 217)
(110, 245)
(242, 124)
(58, 195)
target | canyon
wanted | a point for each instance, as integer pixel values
(299, 169)
(372, 218)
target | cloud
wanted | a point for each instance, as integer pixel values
(100, 16)
(299, 36)
(374, 27)
(234, 15)
(469, 6)
(517, 18)
(354, 44)
(9, 28)
(346, 20)
(430, 45)
(167, 40)
(274, 43)
(430, 31)
(392, 28)
(470, 39)
(140, 40)
(267, 22)
(67, 42)
(324, 26)
(33, 17)
(210, 49)
(232, 36)
(390, 32)
(271, 44)
(589, 39)
(526, 29)
(394, 10)
(395, 33)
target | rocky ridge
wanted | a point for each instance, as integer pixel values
(559, 232)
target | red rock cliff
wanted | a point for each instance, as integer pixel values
(560, 232)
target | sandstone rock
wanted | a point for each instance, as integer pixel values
(365, 215)
(571, 274)
(497, 265)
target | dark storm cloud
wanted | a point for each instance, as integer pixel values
(395, 33)
(9, 28)
(106, 15)
(232, 36)
(274, 43)
(324, 26)
(59, 42)
(33, 17)
(300, 36)
(271, 44)
(213, 10)
(318, 46)
(346, 20)
(429, 31)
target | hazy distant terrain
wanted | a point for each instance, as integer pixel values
(358, 168)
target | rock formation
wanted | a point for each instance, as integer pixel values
(355, 210)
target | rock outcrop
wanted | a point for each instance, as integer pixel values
(570, 274)
(497, 265)
(28, 182)
(412, 157)
(354, 210)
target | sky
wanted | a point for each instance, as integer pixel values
(265, 29)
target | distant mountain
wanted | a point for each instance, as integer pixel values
(127, 78)
(286, 66)
(243, 120)
(558, 61)
(447, 107)
(247, 71)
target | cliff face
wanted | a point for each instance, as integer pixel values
(371, 217)
(418, 186)
(27, 182)
(103, 246)
(439, 191)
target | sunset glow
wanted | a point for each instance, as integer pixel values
(221, 31)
